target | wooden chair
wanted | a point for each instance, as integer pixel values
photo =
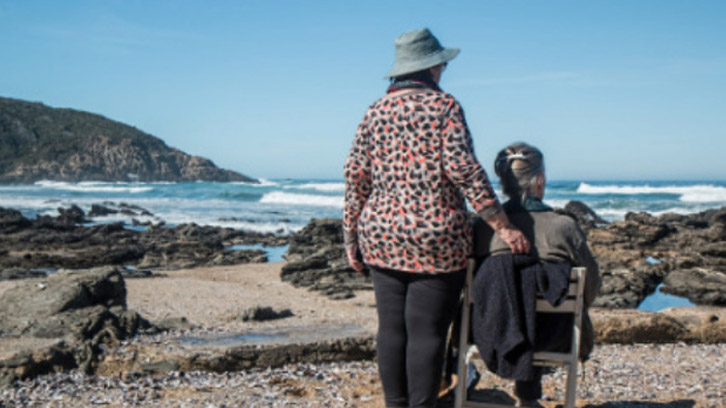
(573, 304)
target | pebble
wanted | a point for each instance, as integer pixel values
(620, 375)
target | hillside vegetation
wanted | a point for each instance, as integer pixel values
(38, 142)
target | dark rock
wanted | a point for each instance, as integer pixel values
(61, 242)
(316, 259)
(73, 215)
(584, 215)
(135, 209)
(259, 314)
(138, 223)
(98, 210)
(625, 288)
(12, 221)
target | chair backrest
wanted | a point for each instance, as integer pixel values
(572, 304)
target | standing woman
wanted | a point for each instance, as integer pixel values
(410, 169)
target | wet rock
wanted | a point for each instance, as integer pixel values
(98, 210)
(260, 313)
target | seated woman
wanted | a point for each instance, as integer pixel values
(556, 240)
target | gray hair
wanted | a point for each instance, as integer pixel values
(518, 166)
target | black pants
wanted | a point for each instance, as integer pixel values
(414, 314)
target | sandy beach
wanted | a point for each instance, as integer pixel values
(212, 298)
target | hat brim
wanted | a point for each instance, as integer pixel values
(432, 60)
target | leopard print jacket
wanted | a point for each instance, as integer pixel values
(408, 173)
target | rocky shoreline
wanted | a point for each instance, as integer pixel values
(290, 329)
(32, 247)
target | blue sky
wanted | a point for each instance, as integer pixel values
(607, 89)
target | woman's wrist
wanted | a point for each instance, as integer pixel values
(499, 221)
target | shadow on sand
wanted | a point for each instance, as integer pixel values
(501, 397)
(644, 404)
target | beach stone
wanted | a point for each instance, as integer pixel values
(261, 313)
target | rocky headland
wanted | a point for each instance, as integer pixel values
(38, 142)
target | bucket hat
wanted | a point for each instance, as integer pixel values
(417, 50)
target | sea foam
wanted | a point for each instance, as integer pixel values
(94, 186)
(701, 193)
(279, 197)
(323, 187)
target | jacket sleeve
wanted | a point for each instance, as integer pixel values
(461, 166)
(583, 257)
(357, 174)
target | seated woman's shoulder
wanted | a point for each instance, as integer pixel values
(564, 220)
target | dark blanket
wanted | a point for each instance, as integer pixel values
(503, 316)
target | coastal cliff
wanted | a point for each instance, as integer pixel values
(38, 142)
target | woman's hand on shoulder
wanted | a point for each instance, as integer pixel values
(509, 233)
(515, 239)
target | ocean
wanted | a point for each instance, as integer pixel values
(284, 206)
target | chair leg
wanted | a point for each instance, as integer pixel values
(571, 393)
(462, 372)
